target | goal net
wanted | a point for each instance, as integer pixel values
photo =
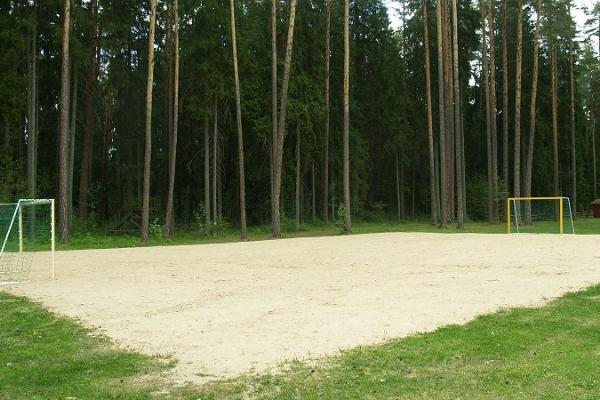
(27, 235)
(540, 215)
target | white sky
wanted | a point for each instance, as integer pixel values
(578, 13)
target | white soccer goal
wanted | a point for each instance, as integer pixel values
(539, 215)
(27, 234)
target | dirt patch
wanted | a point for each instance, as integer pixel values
(224, 309)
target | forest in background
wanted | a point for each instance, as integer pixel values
(160, 113)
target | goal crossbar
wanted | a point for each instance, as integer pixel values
(561, 201)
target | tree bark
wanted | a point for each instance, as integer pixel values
(486, 84)
(103, 209)
(148, 146)
(207, 205)
(73, 130)
(505, 107)
(327, 105)
(457, 118)
(32, 131)
(493, 112)
(273, 99)
(346, 138)
(554, 89)
(532, 112)
(170, 217)
(573, 132)
(518, 83)
(432, 171)
(215, 163)
(298, 166)
(276, 217)
(91, 82)
(594, 176)
(398, 188)
(449, 113)
(441, 112)
(238, 109)
(63, 151)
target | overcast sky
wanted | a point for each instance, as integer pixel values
(577, 13)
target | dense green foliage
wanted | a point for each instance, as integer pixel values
(545, 353)
(388, 105)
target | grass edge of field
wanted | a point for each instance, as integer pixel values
(187, 236)
(327, 377)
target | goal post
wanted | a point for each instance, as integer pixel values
(523, 213)
(27, 234)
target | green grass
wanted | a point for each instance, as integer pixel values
(552, 352)
(547, 353)
(100, 240)
(43, 356)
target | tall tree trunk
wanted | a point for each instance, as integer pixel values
(593, 132)
(450, 127)
(104, 162)
(432, 171)
(73, 130)
(493, 112)
(215, 163)
(346, 138)
(238, 109)
(573, 131)
(313, 193)
(488, 119)
(298, 177)
(441, 112)
(326, 139)
(413, 189)
(554, 89)
(273, 99)
(91, 82)
(457, 119)
(63, 151)
(532, 112)
(32, 131)
(505, 110)
(276, 217)
(398, 199)
(518, 67)
(148, 146)
(170, 217)
(207, 207)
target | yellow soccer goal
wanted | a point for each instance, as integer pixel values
(539, 215)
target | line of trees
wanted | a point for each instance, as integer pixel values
(384, 122)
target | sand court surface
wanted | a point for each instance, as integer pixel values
(225, 309)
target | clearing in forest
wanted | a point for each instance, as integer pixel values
(225, 309)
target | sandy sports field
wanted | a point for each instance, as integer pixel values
(225, 309)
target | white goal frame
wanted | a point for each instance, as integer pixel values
(17, 218)
(561, 216)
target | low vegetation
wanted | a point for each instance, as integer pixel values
(198, 234)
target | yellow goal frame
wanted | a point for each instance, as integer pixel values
(561, 201)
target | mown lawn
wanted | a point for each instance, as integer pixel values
(43, 356)
(552, 352)
(101, 240)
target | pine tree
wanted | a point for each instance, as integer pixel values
(148, 145)
(63, 149)
(240, 135)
